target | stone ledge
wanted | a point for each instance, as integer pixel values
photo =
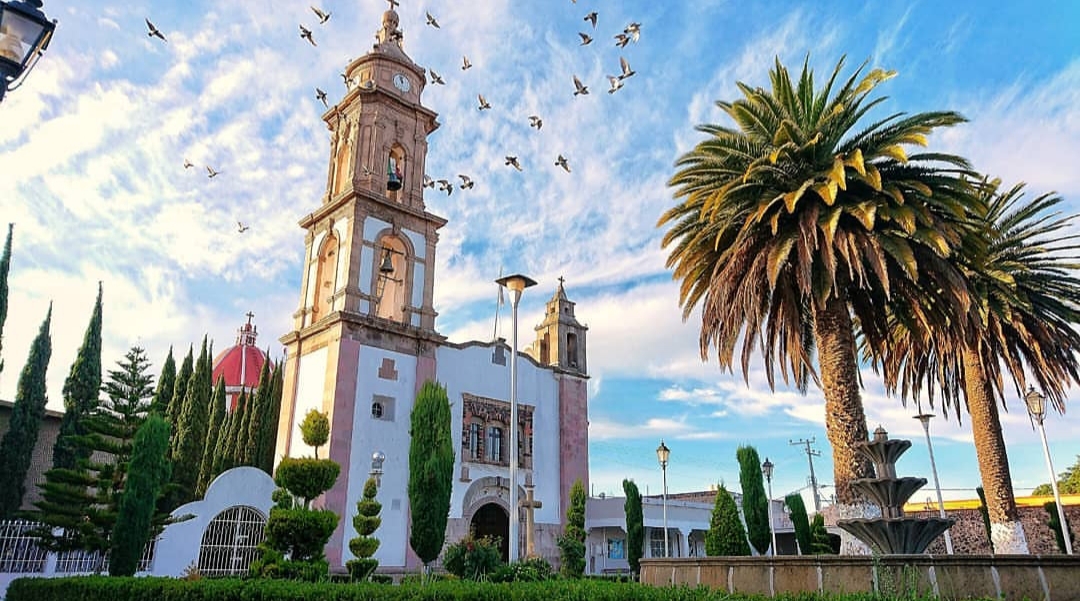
(1047, 577)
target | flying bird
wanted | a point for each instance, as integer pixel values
(626, 70)
(616, 83)
(561, 162)
(241, 227)
(513, 162)
(188, 164)
(431, 21)
(445, 186)
(536, 121)
(435, 78)
(154, 32)
(621, 40)
(580, 88)
(483, 102)
(585, 39)
(323, 17)
(466, 182)
(428, 182)
(591, 17)
(465, 64)
(306, 34)
(321, 95)
(634, 31)
(210, 172)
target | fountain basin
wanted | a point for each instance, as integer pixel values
(897, 536)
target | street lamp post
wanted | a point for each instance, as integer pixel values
(377, 459)
(767, 468)
(1036, 406)
(925, 419)
(25, 33)
(516, 284)
(662, 454)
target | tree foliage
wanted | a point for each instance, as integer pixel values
(801, 521)
(1054, 522)
(1068, 482)
(755, 504)
(213, 433)
(165, 386)
(985, 517)
(635, 525)
(821, 543)
(572, 543)
(147, 472)
(81, 390)
(315, 429)
(306, 477)
(365, 523)
(192, 426)
(5, 267)
(176, 402)
(726, 535)
(17, 447)
(431, 470)
(255, 437)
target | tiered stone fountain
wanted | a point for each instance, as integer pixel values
(893, 533)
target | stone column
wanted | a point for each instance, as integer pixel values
(684, 542)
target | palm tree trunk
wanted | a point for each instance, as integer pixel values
(845, 421)
(1006, 531)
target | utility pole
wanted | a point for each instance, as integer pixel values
(810, 454)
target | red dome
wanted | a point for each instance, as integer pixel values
(240, 365)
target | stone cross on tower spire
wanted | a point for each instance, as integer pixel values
(389, 31)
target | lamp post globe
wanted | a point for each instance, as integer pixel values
(516, 284)
(25, 33)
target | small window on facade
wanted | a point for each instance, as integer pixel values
(382, 407)
(495, 435)
(475, 432)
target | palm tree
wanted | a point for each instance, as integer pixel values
(793, 228)
(1020, 262)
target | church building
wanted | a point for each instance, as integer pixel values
(364, 339)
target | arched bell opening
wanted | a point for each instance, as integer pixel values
(395, 172)
(391, 276)
(325, 274)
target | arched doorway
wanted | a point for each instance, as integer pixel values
(231, 541)
(492, 520)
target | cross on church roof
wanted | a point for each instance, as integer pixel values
(561, 280)
(393, 4)
(249, 315)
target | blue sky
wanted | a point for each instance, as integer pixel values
(91, 171)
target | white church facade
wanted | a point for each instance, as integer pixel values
(364, 338)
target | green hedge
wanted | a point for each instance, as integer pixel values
(169, 589)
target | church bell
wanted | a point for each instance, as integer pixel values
(387, 265)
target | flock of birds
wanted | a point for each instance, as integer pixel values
(631, 33)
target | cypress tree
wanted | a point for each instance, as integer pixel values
(572, 543)
(213, 432)
(183, 376)
(1054, 522)
(5, 266)
(254, 436)
(821, 543)
(241, 451)
(985, 517)
(221, 446)
(147, 472)
(191, 429)
(274, 412)
(801, 521)
(81, 390)
(165, 386)
(232, 449)
(635, 526)
(726, 535)
(17, 447)
(755, 505)
(431, 470)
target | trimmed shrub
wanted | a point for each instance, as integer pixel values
(365, 522)
(473, 558)
(305, 477)
(726, 535)
(533, 569)
(635, 525)
(300, 533)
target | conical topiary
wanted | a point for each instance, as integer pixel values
(366, 522)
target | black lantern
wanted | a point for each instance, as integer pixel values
(25, 32)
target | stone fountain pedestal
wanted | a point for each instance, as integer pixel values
(893, 533)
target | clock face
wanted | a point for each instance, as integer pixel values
(401, 82)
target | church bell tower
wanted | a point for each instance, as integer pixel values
(363, 334)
